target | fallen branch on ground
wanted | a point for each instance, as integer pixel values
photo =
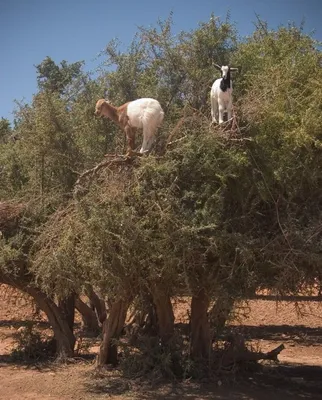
(248, 355)
(237, 352)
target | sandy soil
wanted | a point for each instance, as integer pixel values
(265, 325)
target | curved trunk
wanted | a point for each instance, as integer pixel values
(220, 313)
(99, 304)
(165, 316)
(165, 324)
(200, 328)
(63, 335)
(88, 316)
(143, 319)
(112, 328)
(67, 307)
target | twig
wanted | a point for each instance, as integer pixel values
(174, 131)
(181, 121)
(94, 170)
(176, 141)
(245, 139)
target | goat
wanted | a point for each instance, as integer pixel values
(221, 94)
(146, 114)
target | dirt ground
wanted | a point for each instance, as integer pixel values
(264, 324)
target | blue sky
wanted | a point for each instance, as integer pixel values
(74, 30)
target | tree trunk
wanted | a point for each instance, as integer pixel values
(98, 304)
(112, 328)
(220, 313)
(165, 323)
(165, 316)
(200, 327)
(143, 319)
(64, 338)
(88, 315)
(67, 307)
(63, 335)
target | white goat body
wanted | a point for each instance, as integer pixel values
(145, 114)
(221, 95)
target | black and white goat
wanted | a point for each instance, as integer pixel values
(221, 95)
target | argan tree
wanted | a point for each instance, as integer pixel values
(211, 213)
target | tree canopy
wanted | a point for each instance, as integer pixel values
(215, 214)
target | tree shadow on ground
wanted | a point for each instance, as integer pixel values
(8, 323)
(27, 322)
(300, 334)
(281, 383)
(49, 365)
(6, 360)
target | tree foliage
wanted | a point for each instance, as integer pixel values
(212, 216)
(56, 78)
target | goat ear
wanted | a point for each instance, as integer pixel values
(234, 69)
(217, 66)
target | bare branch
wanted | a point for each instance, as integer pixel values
(93, 171)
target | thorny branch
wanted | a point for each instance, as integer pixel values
(93, 171)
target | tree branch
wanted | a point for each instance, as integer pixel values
(93, 171)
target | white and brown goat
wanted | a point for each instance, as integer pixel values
(145, 114)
